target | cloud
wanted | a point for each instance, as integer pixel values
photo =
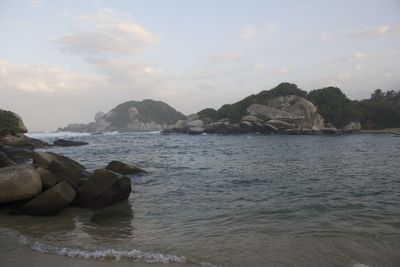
(248, 32)
(227, 56)
(42, 78)
(36, 3)
(371, 32)
(105, 31)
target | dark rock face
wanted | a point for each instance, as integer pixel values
(5, 160)
(49, 202)
(123, 168)
(63, 142)
(19, 182)
(65, 169)
(48, 179)
(103, 188)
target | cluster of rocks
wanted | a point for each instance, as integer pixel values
(53, 182)
(288, 114)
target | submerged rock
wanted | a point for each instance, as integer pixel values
(49, 202)
(123, 168)
(19, 182)
(103, 188)
(63, 142)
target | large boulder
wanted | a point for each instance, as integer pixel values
(281, 125)
(291, 109)
(123, 168)
(103, 188)
(49, 202)
(62, 167)
(48, 179)
(63, 142)
(19, 182)
(351, 127)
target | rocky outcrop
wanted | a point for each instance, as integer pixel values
(123, 168)
(49, 202)
(63, 142)
(19, 182)
(103, 188)
(352, 127)
(290, 109)
(5, 160)
(131, 116)
(11, 123)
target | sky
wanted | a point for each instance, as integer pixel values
(63, 61)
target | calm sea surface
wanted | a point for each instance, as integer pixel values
(241, 200)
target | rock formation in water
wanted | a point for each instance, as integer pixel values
(131, 116)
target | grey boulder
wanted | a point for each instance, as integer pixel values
(19, 182)
(49, 202)
(123, 168)
(103, 188)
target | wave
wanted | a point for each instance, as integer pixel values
(134, 254)
(39, 135)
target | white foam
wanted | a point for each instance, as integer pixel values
(360, 265)
(39, 135)
(134, 254)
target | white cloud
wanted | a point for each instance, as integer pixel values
(359, 55)
(105, 31)
(227, 56)
(248, 32)
(270, 27)
(36, 3)
(42, 78)
(370, 32)
(388, 74)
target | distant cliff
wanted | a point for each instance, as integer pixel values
(131, 116)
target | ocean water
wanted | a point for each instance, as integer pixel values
(240, 200)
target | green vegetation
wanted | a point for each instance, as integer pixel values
(382, 110)
(9, 123)
(334, 106)
(149, 110)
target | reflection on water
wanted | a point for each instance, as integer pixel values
(238, 201)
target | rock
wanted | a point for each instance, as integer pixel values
(63, 142)
(192, 117)
(21, 140)
(251, 118)
(264, 128)
(195, 130)
(351, 127)
(5, 160)
(19, 182)
(291, 109)
(246, 125)
(328, 130)
(48, 179)
(103, 188)
(180, 125)
(49, 202)
(63, 168)
(281, 125)
(224, 127)
(19, 154)
(195, 123)
(11, 123)
(123, 168)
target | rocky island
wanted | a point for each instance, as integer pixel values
(131, 116)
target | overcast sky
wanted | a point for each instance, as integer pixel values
(62, 61)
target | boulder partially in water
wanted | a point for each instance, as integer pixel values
(103, 188)
(18, 183)
(64, 142)
(123, 168)
(49, 202)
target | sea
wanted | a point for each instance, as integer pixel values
(225, 200)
